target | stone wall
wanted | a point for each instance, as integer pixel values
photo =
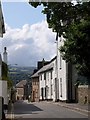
(84, 94)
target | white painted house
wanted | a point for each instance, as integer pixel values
(47, 76)
(3, 85)
(66, 75)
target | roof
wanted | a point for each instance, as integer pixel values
(21, 83)
(43, 69)
(53, 59)
(46, 68)
(35, 75)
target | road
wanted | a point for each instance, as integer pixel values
(22, 110)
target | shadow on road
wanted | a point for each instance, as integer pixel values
(21, 107)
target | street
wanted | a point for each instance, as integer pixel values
(22, 110)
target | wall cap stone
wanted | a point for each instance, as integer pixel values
(83, 86)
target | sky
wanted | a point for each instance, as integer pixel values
(28, 38)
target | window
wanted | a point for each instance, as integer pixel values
(61, 86)
(41, 77)
(60, 62)
(45, 91)
(51, 74)
(56, 66)
(51, 90)
(48, 75)
(44, 76)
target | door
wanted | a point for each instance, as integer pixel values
(33, 96)
(42, 93)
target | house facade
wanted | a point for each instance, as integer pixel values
(66, 76)
(35, 87)
(47, 76)
(56, 79)
(20, 88)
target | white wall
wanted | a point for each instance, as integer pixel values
(0, 72)
(53, 79)
(3, 91)
(48, 82)
(61, 74)
(41, 83)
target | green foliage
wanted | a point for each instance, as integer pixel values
(65, 12)
(4, 71)
(5, 74)
(77, 45)
(17, 73)
(74, 21)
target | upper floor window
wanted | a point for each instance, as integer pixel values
(55, 67)
(51, 90)
(48, 75)
(44, 76)
(51, 74)
(60, 62)
(41, 77)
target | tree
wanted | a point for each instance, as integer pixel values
(4, 71)
(76, 47)
(66, 12)
(5, 74)
(71, 21)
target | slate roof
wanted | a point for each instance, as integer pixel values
(43, 69)
(21, 83)
(46, 68)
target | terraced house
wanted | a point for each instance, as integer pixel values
(57, 78)
(47, 77)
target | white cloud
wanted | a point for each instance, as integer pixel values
(29, 44)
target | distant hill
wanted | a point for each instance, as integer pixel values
(18, 73)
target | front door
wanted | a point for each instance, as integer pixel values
(55, 89)
(42, 93)
(33, 96)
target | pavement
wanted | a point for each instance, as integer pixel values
(75, 106)
(85, 108)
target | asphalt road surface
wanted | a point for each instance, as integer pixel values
(23, 110)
